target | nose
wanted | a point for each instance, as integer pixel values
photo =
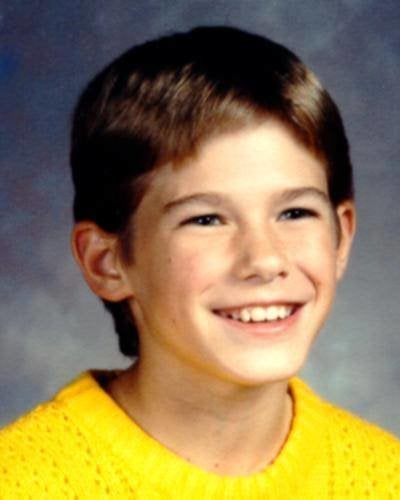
(261, 256)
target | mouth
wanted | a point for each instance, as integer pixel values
(259, 313)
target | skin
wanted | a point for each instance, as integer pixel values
(246, 222)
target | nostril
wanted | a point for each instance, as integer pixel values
(266, 270)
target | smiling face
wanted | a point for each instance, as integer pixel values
(236, 259)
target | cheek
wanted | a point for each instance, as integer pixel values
(317, 256)
(195, 272)
(195, 267)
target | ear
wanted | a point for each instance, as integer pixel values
(346, 216)
(97, 255)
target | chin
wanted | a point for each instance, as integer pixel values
(258, 372)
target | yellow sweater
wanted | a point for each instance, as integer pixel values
(81, 445)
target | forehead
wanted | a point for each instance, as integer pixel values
(263, 158)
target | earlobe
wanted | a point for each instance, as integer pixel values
(96, 253)
(346, 215)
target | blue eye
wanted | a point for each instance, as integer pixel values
(205, 220)
(297, 213)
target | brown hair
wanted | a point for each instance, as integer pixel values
(160, 101)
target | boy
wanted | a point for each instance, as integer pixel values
(214, 216)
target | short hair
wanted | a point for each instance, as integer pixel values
(160, 101)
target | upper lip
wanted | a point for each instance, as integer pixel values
(249, 305)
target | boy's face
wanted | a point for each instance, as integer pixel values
(236, 258)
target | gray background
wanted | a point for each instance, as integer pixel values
(51, 326)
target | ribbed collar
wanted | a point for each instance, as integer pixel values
(144, 458)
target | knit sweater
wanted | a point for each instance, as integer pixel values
(81, 445)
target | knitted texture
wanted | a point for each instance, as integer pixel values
(81, 445)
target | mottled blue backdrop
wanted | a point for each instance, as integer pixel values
(51, 326)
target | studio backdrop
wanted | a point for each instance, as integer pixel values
(52, 327)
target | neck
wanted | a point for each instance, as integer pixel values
(220, 427)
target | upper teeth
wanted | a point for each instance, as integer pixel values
(258, 313)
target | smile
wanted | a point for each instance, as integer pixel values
(258, 314)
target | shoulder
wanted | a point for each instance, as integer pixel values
(69, 446)
(365, 457)
(357, 432)
(48, 450)
(28, 448)
(341, 422)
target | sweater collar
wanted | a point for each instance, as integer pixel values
(96, 412)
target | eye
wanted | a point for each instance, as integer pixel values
(204, 220)
(298, 213)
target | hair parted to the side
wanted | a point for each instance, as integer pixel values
(160, 101)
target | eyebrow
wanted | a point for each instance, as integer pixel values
(216, 199)
(209, 198)
(292, 194)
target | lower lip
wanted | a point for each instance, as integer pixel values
(271, 330)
